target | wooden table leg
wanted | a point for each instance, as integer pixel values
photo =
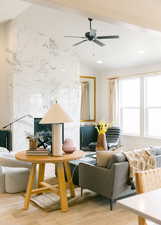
(62, 187)
(30, 185)
(41, 173)
(69, 179)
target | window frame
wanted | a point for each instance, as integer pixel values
(121, 108)
(146, 109)
(144, 123)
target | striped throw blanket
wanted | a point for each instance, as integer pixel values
(139, 159)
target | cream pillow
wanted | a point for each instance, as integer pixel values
(107, 158)
(103, 157)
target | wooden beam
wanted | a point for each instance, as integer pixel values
(132, 12)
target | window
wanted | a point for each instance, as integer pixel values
(140, 106)
(129, 90)
(153, 106)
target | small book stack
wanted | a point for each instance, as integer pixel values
(38, 151)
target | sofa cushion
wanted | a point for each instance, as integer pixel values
(116, 157)
(107, 158)
(103, 157)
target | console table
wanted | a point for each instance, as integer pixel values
(62, 165)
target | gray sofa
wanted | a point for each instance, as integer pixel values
(111, 183)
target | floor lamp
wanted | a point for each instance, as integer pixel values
(10, 127)
(56, 116)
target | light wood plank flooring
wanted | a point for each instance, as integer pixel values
(92, 212)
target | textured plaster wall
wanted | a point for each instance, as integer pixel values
(41, 74)
(4, 79)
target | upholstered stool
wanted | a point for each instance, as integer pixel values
(13, 173)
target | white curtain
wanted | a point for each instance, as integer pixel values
(113, 103)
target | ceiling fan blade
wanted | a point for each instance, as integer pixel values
(99, 43)
(74, 36)
(78, 43)
(108, 37)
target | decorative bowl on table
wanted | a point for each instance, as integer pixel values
(68, 146)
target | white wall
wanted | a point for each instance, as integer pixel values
(4, 79)
(86, 70)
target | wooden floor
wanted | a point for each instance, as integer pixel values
(92, 212)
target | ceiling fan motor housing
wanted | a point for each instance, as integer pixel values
(90, 35)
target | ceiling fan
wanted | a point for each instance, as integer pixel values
(92, 36)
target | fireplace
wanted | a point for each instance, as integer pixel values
(44, 131)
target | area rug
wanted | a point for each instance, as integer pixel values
(50, 202)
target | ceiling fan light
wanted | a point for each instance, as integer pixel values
(141, 52)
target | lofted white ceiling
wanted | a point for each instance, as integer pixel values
(136, 46)
(145, 13)
(9, 9)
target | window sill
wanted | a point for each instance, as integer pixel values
(141, 137)
(131, 135)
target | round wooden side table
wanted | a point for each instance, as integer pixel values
(63, 170)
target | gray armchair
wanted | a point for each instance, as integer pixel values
(13, 173)
(111, 183)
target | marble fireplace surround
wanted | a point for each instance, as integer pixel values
(40, 73)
